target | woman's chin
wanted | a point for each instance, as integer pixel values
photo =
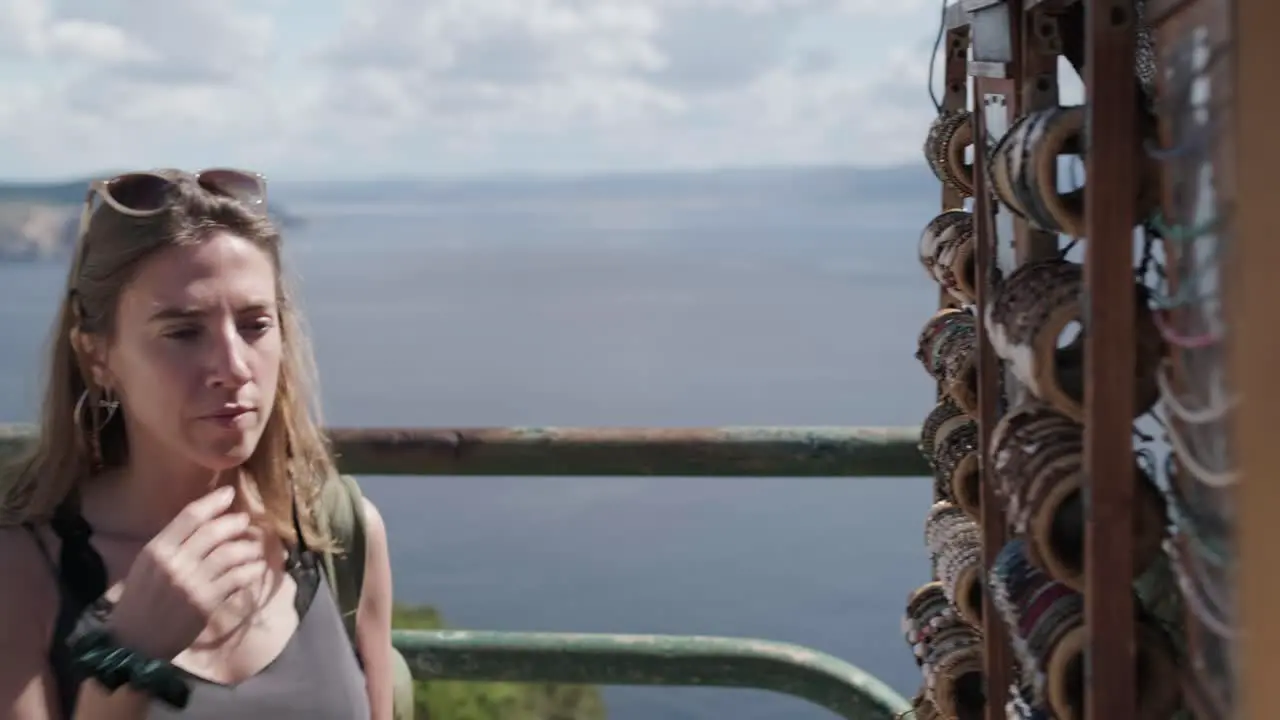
(228, 453)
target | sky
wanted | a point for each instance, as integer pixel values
(352, 89)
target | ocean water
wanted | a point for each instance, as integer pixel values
(663, 311)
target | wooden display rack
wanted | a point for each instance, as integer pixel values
(1255, 347)
(1011, 49)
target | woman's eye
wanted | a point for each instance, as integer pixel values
(183, 334)
(254, 327)
(258, 326)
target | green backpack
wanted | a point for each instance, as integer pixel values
(345, 569)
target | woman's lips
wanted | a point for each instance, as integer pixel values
(239, 417)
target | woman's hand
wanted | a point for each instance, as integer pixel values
(199, 560)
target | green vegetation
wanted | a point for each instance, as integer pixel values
(451, 700)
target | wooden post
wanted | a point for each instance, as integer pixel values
(1038, 47)
(1109, 359)
(955, 53)
(955, 97)
(1255, 349)
(997, 654)
(992, 78)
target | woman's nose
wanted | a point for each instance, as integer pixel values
(230, 364)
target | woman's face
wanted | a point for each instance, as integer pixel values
(196, 354)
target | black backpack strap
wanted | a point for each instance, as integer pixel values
(59, 662)
(82, 579)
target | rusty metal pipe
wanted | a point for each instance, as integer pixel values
(557, 451)
(667, 660)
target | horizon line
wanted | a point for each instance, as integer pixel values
(515, 174)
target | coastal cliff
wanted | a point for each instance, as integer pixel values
(35, 231)
(38, 222)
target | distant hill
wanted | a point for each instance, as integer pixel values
(64, 193)
(38, 221)
(819, 184)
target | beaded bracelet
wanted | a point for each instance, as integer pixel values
(1201, 518)
(1196, 469)
(947, 347)
(1029, 310)
(948, 252)
(1012, 450)
(1022, 168)
(1037, 466)
(95, 653)
(1057, 132)
(921, 708)
(956, 267)
(1216, 409)
(1181, 422)
(944, 148)
(1031, 162)
(945, 417)
(1045, 619)
(1038, 612)
(939, 229)
(1014, 155)
(998, 166)
(1208, 686)
(948, 651)
(956, 462)
(955, 542)
(1022, 705)
(1203, 594)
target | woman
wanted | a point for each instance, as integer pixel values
(158, 546)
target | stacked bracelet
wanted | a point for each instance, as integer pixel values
(95, 653)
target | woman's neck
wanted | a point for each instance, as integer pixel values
(142, 497)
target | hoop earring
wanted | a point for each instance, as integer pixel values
(111, 405)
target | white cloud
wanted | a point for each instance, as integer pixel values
(23, 25)
(304, 87)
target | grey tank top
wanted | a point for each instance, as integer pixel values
(316, 677)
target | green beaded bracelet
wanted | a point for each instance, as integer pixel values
(95, 653)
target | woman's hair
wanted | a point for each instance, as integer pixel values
(292, 459)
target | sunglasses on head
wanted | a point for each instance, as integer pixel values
(144, 194)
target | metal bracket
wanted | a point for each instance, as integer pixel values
(1044, 33)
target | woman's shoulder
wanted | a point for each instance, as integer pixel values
(26, 564)
(372, 517)
(28, 607)
(30, 598)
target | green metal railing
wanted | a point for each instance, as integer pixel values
(603, 452)
(670, 660)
